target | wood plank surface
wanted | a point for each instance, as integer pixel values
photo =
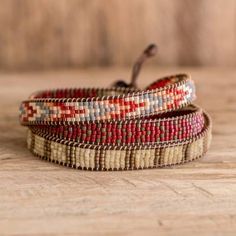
(41, 198)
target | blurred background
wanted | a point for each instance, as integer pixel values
(49, 34)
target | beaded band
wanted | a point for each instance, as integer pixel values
(71, 106)
(174, 126)
(106, 157)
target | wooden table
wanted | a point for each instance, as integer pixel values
(37, 197)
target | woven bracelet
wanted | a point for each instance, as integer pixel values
(120, 128)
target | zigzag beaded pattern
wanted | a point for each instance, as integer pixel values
(97, 157)
(69, 106)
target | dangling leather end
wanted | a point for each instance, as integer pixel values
(150, 51)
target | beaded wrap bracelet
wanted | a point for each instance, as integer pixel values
(121, 128)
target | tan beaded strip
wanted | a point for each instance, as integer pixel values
(95, 157)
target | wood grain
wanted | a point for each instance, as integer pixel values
(41, 198)
(36, 34)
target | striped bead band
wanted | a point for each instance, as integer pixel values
(106, 157)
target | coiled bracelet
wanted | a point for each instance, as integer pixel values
(120, 128)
